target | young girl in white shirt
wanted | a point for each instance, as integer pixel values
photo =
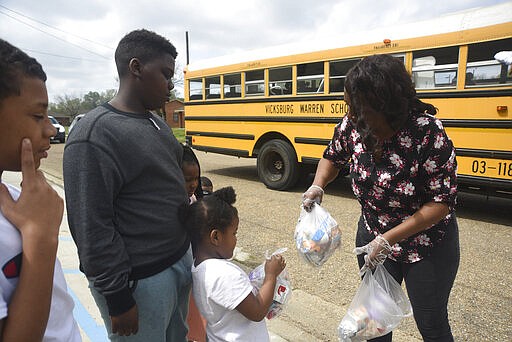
(222, 290)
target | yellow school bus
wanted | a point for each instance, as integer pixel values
(280, 105)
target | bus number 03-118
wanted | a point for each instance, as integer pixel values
(480, 166)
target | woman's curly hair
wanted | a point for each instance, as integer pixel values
(383, 83)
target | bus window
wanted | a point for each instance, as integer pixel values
(310, 78)
(195, 89)
(337, 73)
(254, 83)
(280, 81)
(482, 69)
(435, 68)
(399, 56)
(233, 85)
(212, 85)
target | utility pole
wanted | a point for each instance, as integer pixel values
(186, 44)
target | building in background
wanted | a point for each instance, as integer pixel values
(174, 114)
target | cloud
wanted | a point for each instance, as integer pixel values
(78, 54)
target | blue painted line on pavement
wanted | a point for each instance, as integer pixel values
(71, 271)
(95, 332)
(65, 238)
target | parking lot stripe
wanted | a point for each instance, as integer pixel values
(94, 332)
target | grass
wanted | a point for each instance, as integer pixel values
(179, 133)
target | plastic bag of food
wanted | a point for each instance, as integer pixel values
(283, 289)
(378, 307)
(317, 235)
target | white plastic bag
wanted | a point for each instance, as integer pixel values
(317, 235)
(283, 289)
(377, 308)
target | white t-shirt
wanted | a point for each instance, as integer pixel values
(219, 286)
(61, 324)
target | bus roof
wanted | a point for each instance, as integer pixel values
(453, 22)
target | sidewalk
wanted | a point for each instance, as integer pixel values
(85, 312)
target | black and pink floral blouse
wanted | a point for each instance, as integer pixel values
(418, 165)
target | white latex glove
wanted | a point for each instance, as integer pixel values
(376, 252)
(312, 195)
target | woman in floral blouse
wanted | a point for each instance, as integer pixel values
(403, 171)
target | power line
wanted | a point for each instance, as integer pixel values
(54, 36)
(55, 28)
(61, 56)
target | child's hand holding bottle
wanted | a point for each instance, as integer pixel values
(271, 283)
(274, 266)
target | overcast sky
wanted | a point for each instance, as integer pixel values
(75, 40)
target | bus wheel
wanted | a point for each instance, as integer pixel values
(277, 165)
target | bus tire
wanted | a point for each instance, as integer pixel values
(277, 165)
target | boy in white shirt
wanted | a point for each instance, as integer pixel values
(34, 303)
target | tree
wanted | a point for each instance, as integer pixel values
(66, 105)
(71, 106)
(178, 80)
(93, 99)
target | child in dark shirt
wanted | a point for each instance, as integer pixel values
(206, 185)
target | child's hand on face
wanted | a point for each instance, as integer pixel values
(38, 212)
(275, 265)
